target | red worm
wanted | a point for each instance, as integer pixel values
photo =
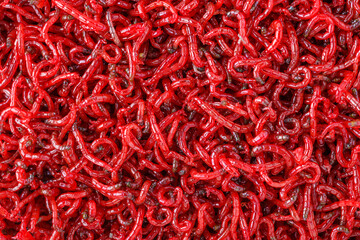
(179, 119)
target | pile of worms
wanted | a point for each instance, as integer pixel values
(179, 119)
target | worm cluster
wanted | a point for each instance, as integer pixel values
(179, 119)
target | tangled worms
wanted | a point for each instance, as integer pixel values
(185, 119)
